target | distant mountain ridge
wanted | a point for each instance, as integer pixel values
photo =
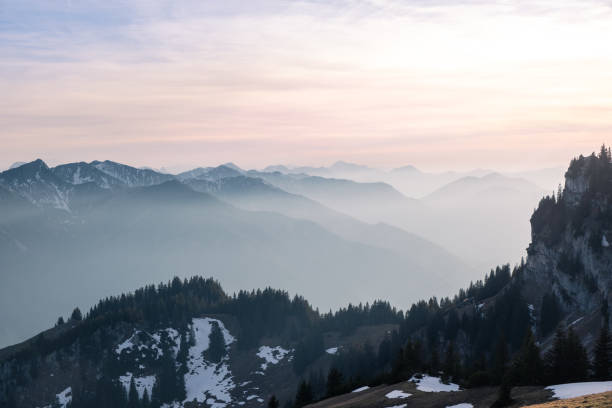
(36, 182)
(118, 226)
(187, 343)
(131, 176)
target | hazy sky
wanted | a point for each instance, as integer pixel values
(438, 84)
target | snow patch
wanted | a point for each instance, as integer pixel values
(65, 397)
(397, 394)
(332, 350)
(532, 317)
(575, 321)
(573, 390)
(433, 384)
(361, 389)
(604, 242)
(205, 381)
(271, 355)
(141, 383)
(130, 345)
(462, 405)
(398, 406)
(126, 345)
(77, 179)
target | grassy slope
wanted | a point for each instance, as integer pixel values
(603, 400)
(482, 397)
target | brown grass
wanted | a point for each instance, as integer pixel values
(603, 400)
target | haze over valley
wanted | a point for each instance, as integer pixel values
(90, 230)
(305, 204)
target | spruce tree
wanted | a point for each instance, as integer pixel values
(577, 357)
(216, 346)
(183, 353)
(146, 401)
(500, 359)
(181, 390)
(167, 379)
(555, 364)
(334, 382)
(303, 395)
(504, 397)
(602, 354)
(550, 313)
(273, 402)
(451, 362)
(567, 360)
(133, 400)
(76, 315)
(156, 394)
(434, 361)
(528, 368)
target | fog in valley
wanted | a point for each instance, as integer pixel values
(78, 232)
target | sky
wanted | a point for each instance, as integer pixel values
(439, 84)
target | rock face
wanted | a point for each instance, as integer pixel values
(36, 183)
(570, 255)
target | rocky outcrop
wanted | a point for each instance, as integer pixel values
(570, 255)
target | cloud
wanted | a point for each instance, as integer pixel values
(396, 77)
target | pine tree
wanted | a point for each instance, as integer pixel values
(146, 402)
(555, 364)
(550, 313)
(133, 400)
(216, 348)
(451, 362)
(528, 368)
(60, 321)
(577, 357)
(167, 379)
(76, 315)
(181, 390)
(603, 353)
(273, 402)
(500, 359)
(334, 382)
(567, 360)
(434, 362)
(303, 395)
(156, 394)
(504, 397)
(183, 353)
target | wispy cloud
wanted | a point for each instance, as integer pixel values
(273, 78)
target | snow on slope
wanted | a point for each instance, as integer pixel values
(573, 390)
(141, 383)
(65, 397)
(462, 405)
(205, 381)
(144, 342)
(397, 394)
(360, 389)
(131, 176)
(433, 384)
(62, 399)
(271, 355)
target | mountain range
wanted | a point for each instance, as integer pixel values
(103, 227)
(449, 235)
(187, 343)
